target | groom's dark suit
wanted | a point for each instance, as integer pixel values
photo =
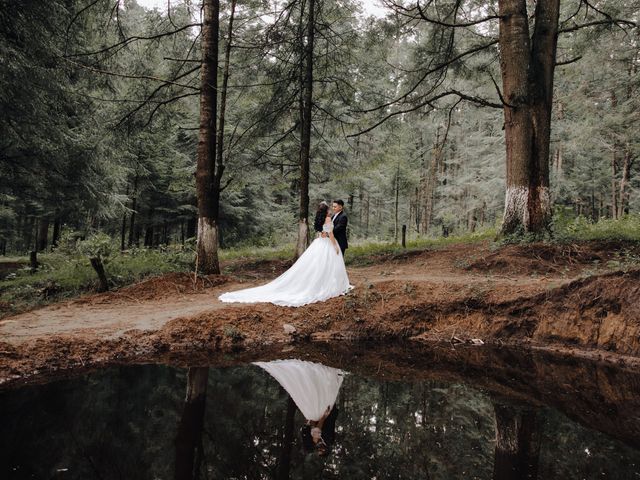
(340, 230)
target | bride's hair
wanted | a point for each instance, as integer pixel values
(321, 214)
(328, 436)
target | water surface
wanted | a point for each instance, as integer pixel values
(132, 422)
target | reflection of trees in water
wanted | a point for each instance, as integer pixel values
(284, 462)
(114, 424)
(124, 423)
(189, 448)
(442, 429)
(517, 442)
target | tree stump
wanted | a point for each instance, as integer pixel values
(96, 263)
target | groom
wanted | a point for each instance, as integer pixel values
(340, 221)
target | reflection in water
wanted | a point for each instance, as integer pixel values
(189, 449)
(313, 387)
(517, 443)
(284, 461)
(137, 423)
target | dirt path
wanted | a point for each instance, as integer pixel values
(109, 316)
(514, 294)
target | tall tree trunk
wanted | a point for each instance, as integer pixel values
(28, 225)
(432, 181)
(397, 192)
(614, 183)
(527, 67)
(305, 134)
(189, 451)
(43, 234)
(55, 236)
(366, 228)
(134, 199)
(627, 162)
(148, 236)
(220, 165)
(206, 191)
(123, 229)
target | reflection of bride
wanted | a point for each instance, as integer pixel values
(314, 388)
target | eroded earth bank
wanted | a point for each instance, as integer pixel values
(580, 300)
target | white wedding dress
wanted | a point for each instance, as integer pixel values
(319, 274)
(312, 386)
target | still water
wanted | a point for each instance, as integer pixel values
(133, 422)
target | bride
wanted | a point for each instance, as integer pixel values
(319, 273)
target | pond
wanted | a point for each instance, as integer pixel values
(527, 417)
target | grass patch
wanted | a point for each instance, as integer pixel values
(366, 252)
(62, 276)
(282, 252)
(625, 229)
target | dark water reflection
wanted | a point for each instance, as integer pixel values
(134, 423)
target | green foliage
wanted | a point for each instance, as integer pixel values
(100, 143)
(98, 245)
(62, 276)
(581, 228)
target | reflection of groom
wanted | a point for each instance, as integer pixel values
(340, 221)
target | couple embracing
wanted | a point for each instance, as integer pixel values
(318, 275)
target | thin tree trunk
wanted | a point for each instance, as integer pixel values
(123, 230)
(527, 76)
(165, 232)
(627, 162)
(397, 182)
(134, 199)
(366, 229)
(305, 134)
(206, 174)
(148, 236)
(56, 232)
(614, 184)
(43, 234)
(432, 181)
(220, 166)
(28, 241)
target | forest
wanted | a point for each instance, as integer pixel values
(223, 124)
(161, 166)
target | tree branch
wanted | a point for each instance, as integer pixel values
(423, 15)
(567, 62)
(617, 21)
(477, 100)
(139, 77)
(429, 72)
(134, 38)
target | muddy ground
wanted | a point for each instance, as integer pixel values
(579, 300)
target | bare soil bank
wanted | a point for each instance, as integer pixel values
(542, 296)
